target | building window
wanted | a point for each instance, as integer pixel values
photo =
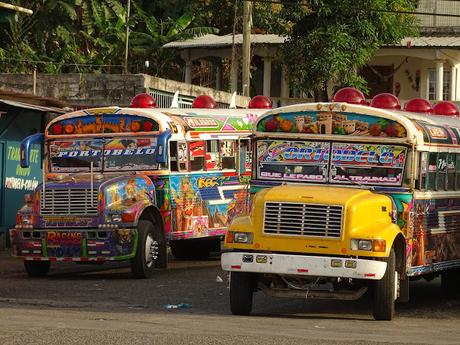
(432, 85)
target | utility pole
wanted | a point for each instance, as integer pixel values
(247, 9)
(125, 67)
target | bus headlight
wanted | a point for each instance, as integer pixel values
(239, 237)
(116, 218)
(368, 245)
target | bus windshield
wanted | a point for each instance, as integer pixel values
(328, 162)
(108, 154)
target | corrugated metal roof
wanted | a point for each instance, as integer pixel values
(33, 106)
(214, 41)
(430, 41)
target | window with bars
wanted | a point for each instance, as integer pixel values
(432, 85)
(439, 171)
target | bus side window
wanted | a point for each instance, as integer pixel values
(244, 156)
(451, 171)
(432, 165)
(197, 155)
(227, 151)
(423, 170)
(182, 156)
(441, 171)
(212, 155)
(173, 159)
(457, 171)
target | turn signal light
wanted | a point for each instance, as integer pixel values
(379, 245)
(446, 108)
(128, 217)
(418, 105)
(143, 100)
(229, 237)
(57, 129)
(349, 95)
(386, 101)
(260, 102)
(205, 102)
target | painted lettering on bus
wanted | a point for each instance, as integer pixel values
(338, 155)
(209, 182)
(95, 153)
(306, 154)
(291, 176)
(54, 237)
(347, 155)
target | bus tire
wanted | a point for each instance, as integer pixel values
(241, 292)
(385, 290)
(37, 268)
(150, 251)
(450, 283)
(404, 293)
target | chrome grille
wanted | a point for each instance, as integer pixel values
(69, 201)
(299, 219)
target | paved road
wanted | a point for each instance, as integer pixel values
(104, 305)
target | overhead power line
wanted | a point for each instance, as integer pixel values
(38, 62)
(293, 3)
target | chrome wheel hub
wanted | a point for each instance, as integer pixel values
(151, 250)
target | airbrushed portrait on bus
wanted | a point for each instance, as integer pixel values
(349, 196)
(123, 183)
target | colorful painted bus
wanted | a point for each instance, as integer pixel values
(349, 197)
(123, 183)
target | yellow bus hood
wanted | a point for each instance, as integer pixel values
(315, 194)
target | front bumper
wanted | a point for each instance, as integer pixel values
(302, 265)
(73, 244)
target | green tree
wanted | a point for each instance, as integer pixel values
(329, 40)
(151, 34)
(64, 35)
(89, 36)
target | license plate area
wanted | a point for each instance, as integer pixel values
(64, 243)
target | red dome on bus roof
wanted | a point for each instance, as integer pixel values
(143, 100)
(418, 105)
(349, 95)
(204, 101)
(260, 102)
(446, 108)
(386, 101)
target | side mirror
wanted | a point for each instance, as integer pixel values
(162, 144)
(26, 145)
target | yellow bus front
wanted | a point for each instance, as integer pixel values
(323, 210)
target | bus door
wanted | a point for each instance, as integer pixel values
(244, 156)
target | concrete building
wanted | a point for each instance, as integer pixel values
(427, 66)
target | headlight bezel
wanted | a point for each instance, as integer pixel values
(240, 237)
(368, 245)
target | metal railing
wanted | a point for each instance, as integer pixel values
(164, 100)
(438, 7)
